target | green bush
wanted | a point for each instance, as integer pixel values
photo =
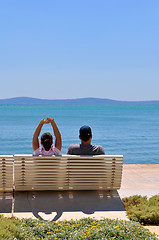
(142, 210)
(9, 227)
(87, 228)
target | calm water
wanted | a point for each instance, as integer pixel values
(129, 130)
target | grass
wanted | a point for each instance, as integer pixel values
(86, 228)
(143, 210)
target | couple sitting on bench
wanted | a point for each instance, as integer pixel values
(85, 135)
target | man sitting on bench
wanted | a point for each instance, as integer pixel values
(85, 148)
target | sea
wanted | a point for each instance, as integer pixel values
(129, 130)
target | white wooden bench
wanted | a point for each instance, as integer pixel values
(6, 173)
(67, 172)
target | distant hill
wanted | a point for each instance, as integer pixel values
(79, 101)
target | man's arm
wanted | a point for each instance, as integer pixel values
(58, 141)
(69, 150)
(102, 152)
(35, 141)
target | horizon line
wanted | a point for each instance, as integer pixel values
(78, 98)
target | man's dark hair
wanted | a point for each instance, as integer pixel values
(85, 133)
(46, 140)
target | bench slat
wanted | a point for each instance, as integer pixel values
(6, 173)
(67, 172)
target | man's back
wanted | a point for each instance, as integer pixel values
(80, 149)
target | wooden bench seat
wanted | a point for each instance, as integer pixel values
(6, 173)
(67, 172)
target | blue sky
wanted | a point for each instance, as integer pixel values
(85, 48)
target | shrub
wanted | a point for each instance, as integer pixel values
(142, 210)
(86, 228)
(9, 227)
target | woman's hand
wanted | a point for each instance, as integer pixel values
(49, 120)
(44, 121)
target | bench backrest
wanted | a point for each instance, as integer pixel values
(6, 173)
(67, 172)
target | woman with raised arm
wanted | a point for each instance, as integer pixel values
(47, 139)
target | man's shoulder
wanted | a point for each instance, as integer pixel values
(98, 146)
(74, 146)
(99, 149)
